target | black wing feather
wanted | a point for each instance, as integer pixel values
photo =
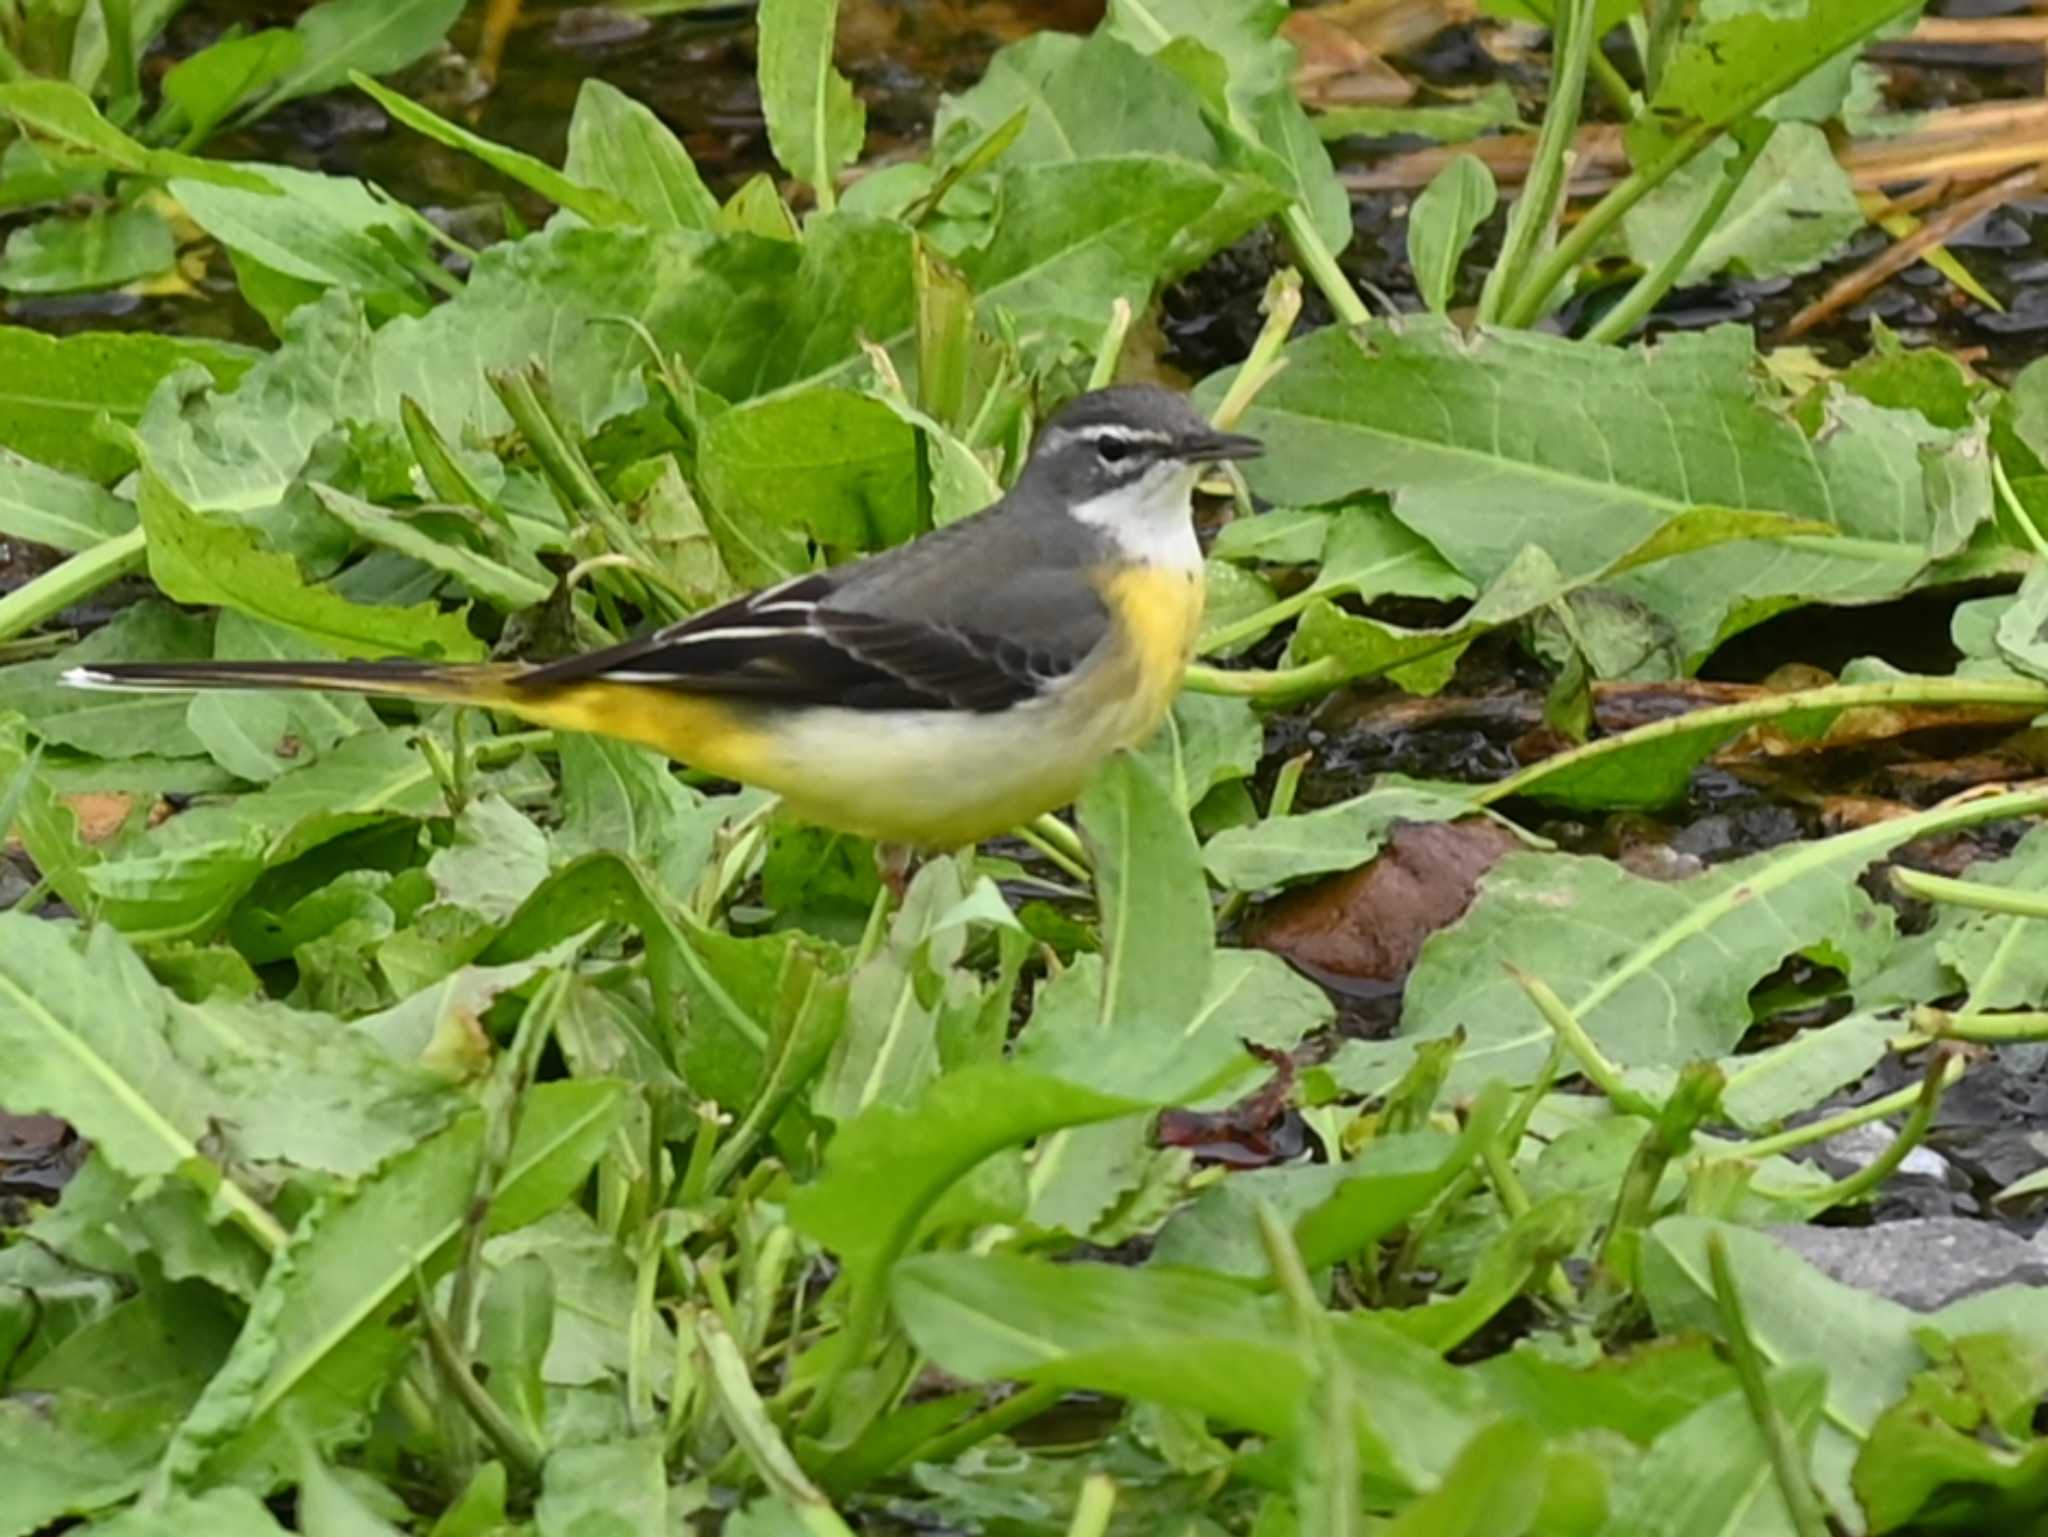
(788, 643)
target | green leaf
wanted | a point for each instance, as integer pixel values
(104, 249)
(218, 1512)
(2022, 634)
(1494, 1489)
(330, 1508)
(629, 801)
(1658, 973)
(1259, 106)
(1142, 1037)
(597, 206)
(495, 582)
(1466, 436)
(46, 506)
(886, 1168)
(1792, 212)
(1457, 201)
(1338, 837)
(199, 560)
(62, 114)
(1711, 1474)
(618, 146)
(56, 387)
(260, 735)
(105, 724)
(826, 463)
(322, 1338)
(82, 1427)
(815, 122)
(210, 84)
(330, 231)
(343, 36)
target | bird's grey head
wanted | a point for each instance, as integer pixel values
(1124, 460)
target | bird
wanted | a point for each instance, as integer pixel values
(927, 696)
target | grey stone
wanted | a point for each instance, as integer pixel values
(1923, 1262)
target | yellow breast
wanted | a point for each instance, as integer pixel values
(1158, 614)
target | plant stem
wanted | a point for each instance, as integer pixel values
(1280, 683)
(453, 1365)
(747, 1417)
(1543, 190)
(1603, 1074)
(1819, 1131)
(1322, 266)
(1092, 1511)
(2029, 529)
(1971, 894)
(1565, 257)
(1025, 1404)
(1985, 1029)
(1109, 351)
(75, 580)
(1788, 1467)
(1659, 280)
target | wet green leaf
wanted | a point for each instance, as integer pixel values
(103, 249)
(814, 120)
(616, 145)
(1441, 225)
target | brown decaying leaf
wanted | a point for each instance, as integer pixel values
(1368, 924)
(1249, 1133)
(1337, 69)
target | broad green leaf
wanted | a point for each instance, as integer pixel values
(1143, 1036)
(106, 724)
(1733, 58)
(1960, 1441)
(1765, 1088)
(1440, 225)
(1259, 103)
(46, 506)
(85, 1030)
(225, 1512)
(815, 122)
(597, 1491)
(1494, 1489)
(827, 463)
(260, 735)
(343, 36)
(1793, 210)
(619, 146)
(321, 1341)
(64, 115)
(200, 560)
(1711, 1474)
(56, 387)
(83, 1427)
(887, 1168)
(1798, 1319)
(1187, 1340)
(210, 84)
(330, 1508)
(102, 249)
(598, 207)
(2022, 634)
(1658, 973)
(1052, 85)
(628, 800)
(1206, 741)
(1338, 837)
(327, 230)
(1467, 437)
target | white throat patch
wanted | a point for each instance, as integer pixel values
(1151, 520)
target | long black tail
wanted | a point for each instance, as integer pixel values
(486, 684)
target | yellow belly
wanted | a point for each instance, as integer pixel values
(930, 778)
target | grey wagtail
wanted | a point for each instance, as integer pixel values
(930, 695)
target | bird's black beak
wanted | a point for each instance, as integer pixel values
(1222, 445)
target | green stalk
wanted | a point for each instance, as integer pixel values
(1659, 280)
(72, 582)
(1565, 257)
(1109, 350)
(1972, 894)
(1280, 683)
(457, 1374)
(1788, 1467)
(1322, 266)
(1926, 1102)
(2029, 529)
(1025, 1404)
(1092, 1511)
(1760, 1148)
(747, 1417)
(1984, 1029)
(1536, 210)
(1603, 1074)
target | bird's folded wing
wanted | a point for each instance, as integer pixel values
(790, 644)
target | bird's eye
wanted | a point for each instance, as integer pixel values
(1113, 450)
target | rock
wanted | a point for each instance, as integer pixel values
(1923, 1262)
